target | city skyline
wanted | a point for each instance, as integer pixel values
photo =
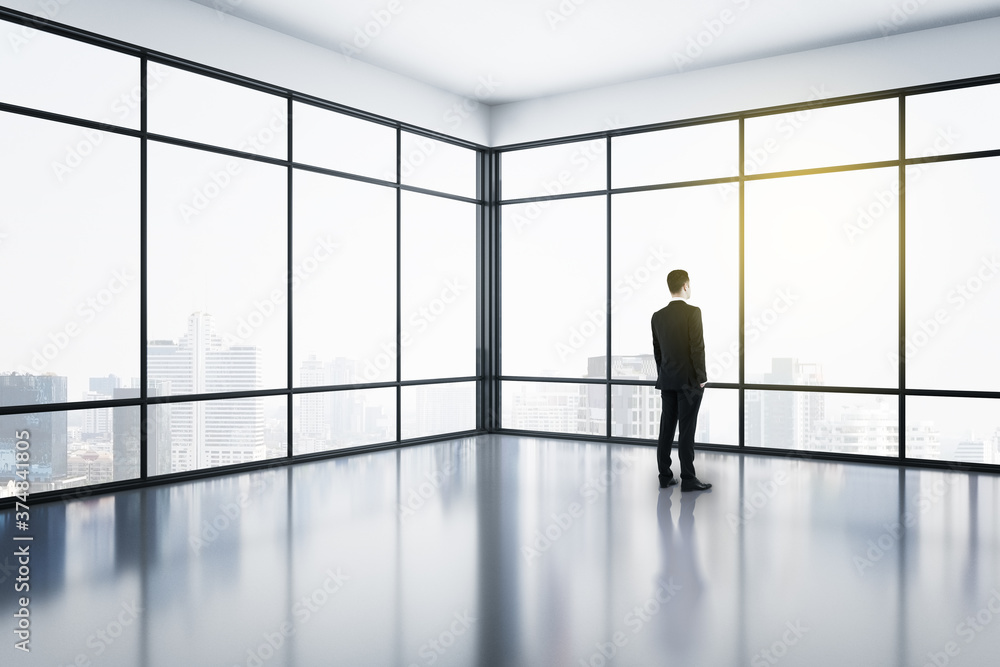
(96, 445)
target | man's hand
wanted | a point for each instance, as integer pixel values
(703, 384)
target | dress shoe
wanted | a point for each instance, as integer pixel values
(669, 482)
(694, 484)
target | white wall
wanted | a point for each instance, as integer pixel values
(195, 32)
(929, 56)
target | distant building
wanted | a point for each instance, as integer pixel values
(205, 434)
(445, 407)
(971, 451)
(863, 429)
(785, 419)
(47, 429)
(923, 440)
(126, 438)
(332, 419)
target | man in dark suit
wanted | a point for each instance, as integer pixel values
(679, 351)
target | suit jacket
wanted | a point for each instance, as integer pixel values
(679, 347)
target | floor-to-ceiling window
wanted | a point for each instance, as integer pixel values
(842, 253)
(249, 272)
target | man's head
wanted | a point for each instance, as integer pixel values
(677, 281)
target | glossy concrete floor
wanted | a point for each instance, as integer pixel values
(501, 550)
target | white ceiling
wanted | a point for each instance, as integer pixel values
(510, 50)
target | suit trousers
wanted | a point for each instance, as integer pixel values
(678, 406)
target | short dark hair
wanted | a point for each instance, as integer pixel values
(676, 280)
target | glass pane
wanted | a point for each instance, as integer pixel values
(337, 141)
(437, 165)
(217, 272)
(965, 430)
(635, 411)
(434, 409)
(952, 282)
(343, 281)
(654, 232)
(554, 286)
(200, 108)
(438, 287)
(824, 422)
(69, 247)
(551, 170)
(327, 421)
(953, 121)
(556, 407)
(680, 154)
(207, 434)
(825, 137)
(822, 276)
(65, 449)
(51, 73)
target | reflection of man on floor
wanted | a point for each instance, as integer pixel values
(679, 352)
(680, 568)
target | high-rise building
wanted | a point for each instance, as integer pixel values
(635, 409)
(205, 434)
(105, 385)
(127, 434)
(313, 410)
(863, 428)
(98, 423)
(47, 429)
(971, 450)
(923, 440)
(549, 406)
(440, 407)
(336, 418)
(785, 419)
